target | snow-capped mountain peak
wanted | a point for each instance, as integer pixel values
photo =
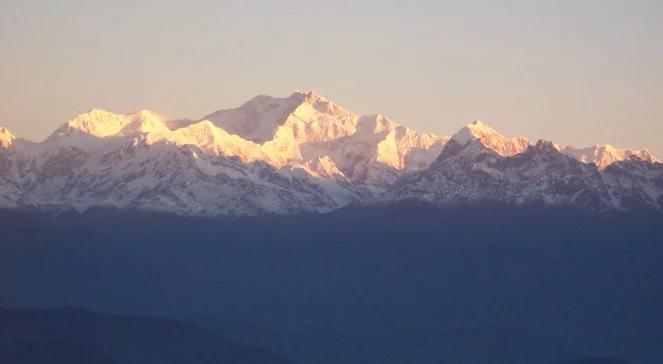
(102, 124)
(6, 138)
(604, 155)
(265, 118)
(487, 136)
(257, 119)
(311, 97)
(474, 130)
(96, 122)
(144, 122)
(306, 126)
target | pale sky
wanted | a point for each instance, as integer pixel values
(577, 72)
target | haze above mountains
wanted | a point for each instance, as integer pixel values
(304, 153)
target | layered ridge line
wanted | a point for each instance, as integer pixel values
(304, 153)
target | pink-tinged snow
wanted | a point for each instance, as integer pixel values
(298, 153)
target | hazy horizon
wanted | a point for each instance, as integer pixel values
(577, 74)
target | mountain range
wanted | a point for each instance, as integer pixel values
(304, 153)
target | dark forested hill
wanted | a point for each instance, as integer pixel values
(76, 336)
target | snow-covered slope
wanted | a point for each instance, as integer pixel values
(6, 138)
(474, 168)
(370, 150)
(304, 153)
(100, 159)
(491, 139)
(9, 188)
(604, 155)
(258, 118)
(269, 155)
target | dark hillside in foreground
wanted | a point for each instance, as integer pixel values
(594, 361)
(73, 336)
(591, 280)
